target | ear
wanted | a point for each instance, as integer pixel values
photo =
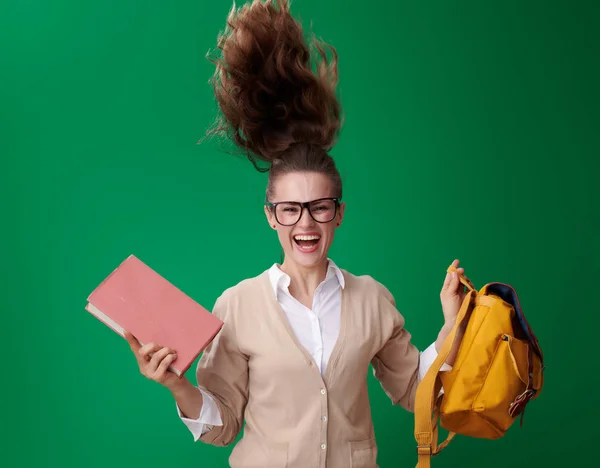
(340, 214)
(270, 217)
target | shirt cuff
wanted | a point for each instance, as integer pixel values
(427, 358)
(208, 418)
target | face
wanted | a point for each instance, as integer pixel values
(307, 242)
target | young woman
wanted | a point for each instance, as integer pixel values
(293, 356)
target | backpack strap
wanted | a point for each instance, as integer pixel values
(517, 407)
(426, 401)
(462, 277)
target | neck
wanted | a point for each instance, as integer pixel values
(304, 280)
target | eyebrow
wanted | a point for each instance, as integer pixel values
(308, 201)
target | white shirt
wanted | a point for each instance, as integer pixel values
(316, 329)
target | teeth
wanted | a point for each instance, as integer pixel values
(307, 237)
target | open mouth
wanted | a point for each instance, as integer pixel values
(307, 243)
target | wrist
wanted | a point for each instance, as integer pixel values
(179, 385)
(443, 334)
(447, 327)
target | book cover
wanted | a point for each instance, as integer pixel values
(136, 298)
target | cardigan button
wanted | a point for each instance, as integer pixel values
(323, 446)
(322, 391)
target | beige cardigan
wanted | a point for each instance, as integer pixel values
(295, 418)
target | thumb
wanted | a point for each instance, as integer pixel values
(454, 283)
(132, 340)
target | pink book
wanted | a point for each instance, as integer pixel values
(137, 299)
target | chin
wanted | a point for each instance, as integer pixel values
(308, 257)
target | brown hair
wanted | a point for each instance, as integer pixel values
(274, 106)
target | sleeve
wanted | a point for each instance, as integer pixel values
(396, 365)
(222, 372)
(208, 418)
(427, 357)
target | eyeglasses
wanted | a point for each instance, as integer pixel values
(288, 213)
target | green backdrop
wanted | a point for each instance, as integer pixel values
(471, 132)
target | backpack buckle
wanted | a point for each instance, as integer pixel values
(425, 450)
(518, 406)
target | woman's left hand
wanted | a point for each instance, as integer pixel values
(452, 295)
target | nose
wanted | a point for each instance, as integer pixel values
(305, 218)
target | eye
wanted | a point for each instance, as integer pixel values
(322, 206)
(288, 208)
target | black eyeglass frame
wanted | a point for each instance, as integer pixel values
(306, 205)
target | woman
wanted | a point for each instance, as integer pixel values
(292, 358)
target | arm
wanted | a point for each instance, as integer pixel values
(188, 399)
(396, 364)
(399, 366)
(222, 374)
(196, 408)
(442, 335)
(428, 356)
(452, 297)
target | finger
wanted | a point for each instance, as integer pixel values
(157, 358)
(451, 282)
(146, 351)
(454, 264)
(454, 282)
(447, 280)
(165, 363)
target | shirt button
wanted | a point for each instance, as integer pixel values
(324, 418)
(322, 391)
(323, 446)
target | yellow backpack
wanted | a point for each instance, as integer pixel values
(498, 370)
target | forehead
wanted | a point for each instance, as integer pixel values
(302, 186)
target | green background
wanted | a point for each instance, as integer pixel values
(471, 132)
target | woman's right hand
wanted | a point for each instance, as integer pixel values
(154, 361)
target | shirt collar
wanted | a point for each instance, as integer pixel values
(281, 280)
